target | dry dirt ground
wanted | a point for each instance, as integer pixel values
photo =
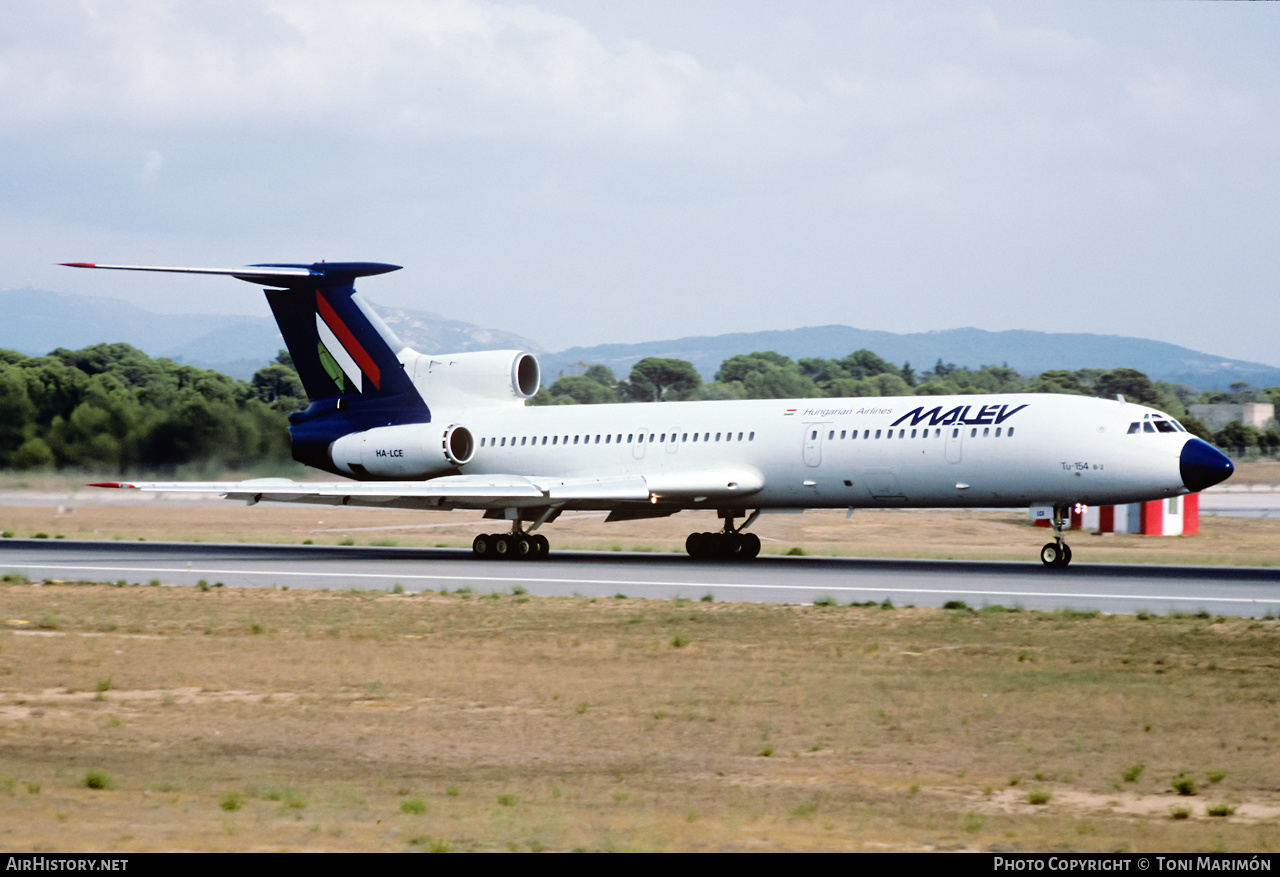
(312, 720)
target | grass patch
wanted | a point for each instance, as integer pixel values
(97, 779)
(1132, 772)
(1220, 809)
(1039, 796)
(416, 806)
(231, 801)
(1184, 784)
(429, 843)
(804, 809)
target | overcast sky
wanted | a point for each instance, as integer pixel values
(585, 171)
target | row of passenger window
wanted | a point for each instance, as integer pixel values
(632, 438)
(924, 433)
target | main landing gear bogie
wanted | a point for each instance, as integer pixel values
(511, 546)
(729, 544)
(722, 546)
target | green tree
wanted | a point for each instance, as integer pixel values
(767, 375)
(111, 407)
(1242, 393)
(1128, 382)
(864, 364)
(583, 390)
(279, 386)
(655, 379)
(18, 422)
(1236, 435)
(1057, 381)
(602, 375)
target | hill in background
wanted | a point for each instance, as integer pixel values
(1027, 352)
(37, 321)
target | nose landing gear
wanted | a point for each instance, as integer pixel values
(1057, 554)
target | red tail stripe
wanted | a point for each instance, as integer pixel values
(330, 317)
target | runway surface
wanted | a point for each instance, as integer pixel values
(1240, 591)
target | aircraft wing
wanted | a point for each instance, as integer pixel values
(474, 491)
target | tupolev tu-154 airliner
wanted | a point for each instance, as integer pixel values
(452, 431)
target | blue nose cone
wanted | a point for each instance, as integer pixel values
(1202, 465)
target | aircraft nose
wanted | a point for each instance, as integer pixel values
(1202, 465)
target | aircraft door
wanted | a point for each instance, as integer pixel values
(637, 447)
(955, 442)
(813, 443)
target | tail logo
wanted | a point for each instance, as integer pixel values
(343, 357)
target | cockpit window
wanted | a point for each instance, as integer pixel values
(1164, 426)
(1134, 427)
(1147, 427)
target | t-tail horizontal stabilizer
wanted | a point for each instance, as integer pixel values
(282, 275)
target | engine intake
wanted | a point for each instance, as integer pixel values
(461, 380)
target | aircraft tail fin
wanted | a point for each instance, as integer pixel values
(340, 347)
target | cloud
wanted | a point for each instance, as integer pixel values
(398, 67)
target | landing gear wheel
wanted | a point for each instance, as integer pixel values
(521, 547)
(696, 545)
(733, 546)
(541, 547)
(750, 546)
(1055, 555)
(503, 548)
(482, 546)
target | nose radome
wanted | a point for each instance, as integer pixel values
(1202, 465)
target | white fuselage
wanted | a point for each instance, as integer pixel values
(916, 451)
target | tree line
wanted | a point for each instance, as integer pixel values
(112, 408)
